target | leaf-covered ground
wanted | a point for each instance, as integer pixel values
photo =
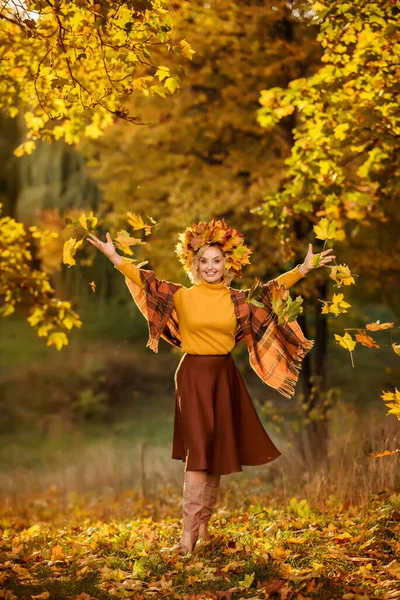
(52, 547)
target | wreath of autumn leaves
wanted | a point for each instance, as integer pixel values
(230, 240)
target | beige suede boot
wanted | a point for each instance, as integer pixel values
(209, 498)
(192, 507)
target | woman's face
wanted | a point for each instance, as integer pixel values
(212, 264)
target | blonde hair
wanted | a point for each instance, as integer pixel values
(194, 274)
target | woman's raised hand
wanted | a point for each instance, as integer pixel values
(324, 258)
(107, 247)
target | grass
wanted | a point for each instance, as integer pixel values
(89, 546)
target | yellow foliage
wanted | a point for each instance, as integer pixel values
(346, 341)
(342, 275)
(51, 75)
(58, 339)
(338, 305)
(187, 51)
(392, 401)
(325, 230)
(70, 247)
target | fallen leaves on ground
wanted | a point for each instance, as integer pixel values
(53, 547)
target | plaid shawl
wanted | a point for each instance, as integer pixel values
(276, 351)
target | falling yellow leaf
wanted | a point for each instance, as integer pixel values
(126, 239)
(391, 395)
(93, 286)
(346, 341)
(341, 274)
(337, 306)
(392, 401)
(67, 252)
(69, 249)
(396, 348)
(135, 221)
(325, 230)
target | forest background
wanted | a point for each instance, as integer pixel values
(270, 115)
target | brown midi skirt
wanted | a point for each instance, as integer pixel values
(216, 427)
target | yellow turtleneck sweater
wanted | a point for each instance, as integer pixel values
(206, 313)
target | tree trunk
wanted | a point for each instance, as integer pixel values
(314, 437)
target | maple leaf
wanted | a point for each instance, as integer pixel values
(379, 326)
(293, 308)
(346, 342)
(392, 401)
(325, 230)
(69, 249)
(341, 274)
(325, 307)
(278, 294)
(336, 307)
(135, 220)
(391, 395)
(58, 339)
(124, 241)
(366, 340)
(124, 238)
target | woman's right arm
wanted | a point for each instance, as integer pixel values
(129, 269)
(126, 267)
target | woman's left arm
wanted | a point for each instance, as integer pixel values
(291, 277)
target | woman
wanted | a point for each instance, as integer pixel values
(216, 428)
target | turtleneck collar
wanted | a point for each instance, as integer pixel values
(210, 286)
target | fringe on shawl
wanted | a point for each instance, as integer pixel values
(152, 343)
(287, 388)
